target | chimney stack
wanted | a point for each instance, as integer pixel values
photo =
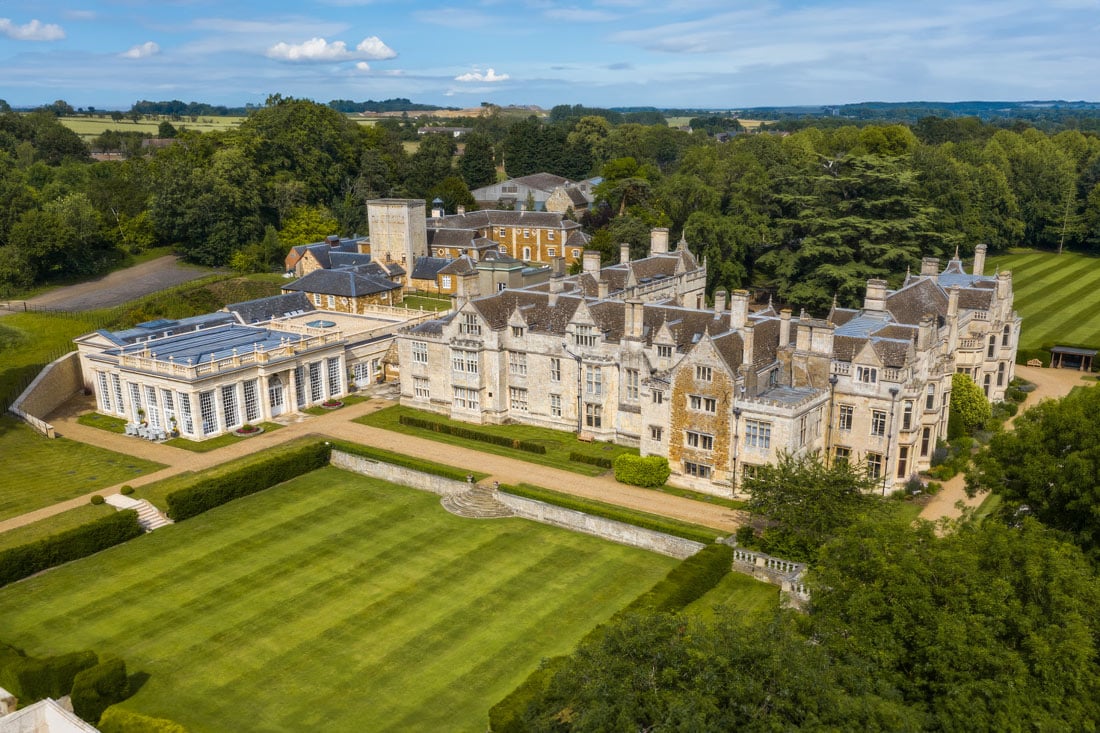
(638, 319)
(557, 266)
(460, 210)
(875, 299)
(603, 288)
(437, 208)
(591, 263)
(784, 327)
(624, 253)
(979, 260)
(719, 300)
(930, 266)
(658, 241)
(739, 308)
(1004, 285)
(952, 302)
(333, 240)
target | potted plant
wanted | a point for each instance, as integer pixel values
(248, 429)
(141, 416)
(331, 403)
(175, 430)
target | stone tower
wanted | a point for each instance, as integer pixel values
(398, 232)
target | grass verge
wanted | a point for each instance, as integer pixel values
(347, 402)
(205, 446)
(104, 422)
(738, 596)
(558, 444)
(645, 520)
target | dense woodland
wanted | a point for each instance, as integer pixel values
(807, 214)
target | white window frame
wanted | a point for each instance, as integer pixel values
(758, 434)
(419, 352)
(422, 388)
(517, 399)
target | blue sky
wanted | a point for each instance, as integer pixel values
(666, 53)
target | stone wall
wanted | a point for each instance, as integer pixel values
(397, 474)
(54, 385)
(608, 529)
(786, 574)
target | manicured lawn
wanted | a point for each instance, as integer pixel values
(332, 602)
(39, 471)
(104, 422)
(347, 402)
(53, 525)
(205, 446)
(558, 444)
(426, 302)
(1057, 295)
(739, 596)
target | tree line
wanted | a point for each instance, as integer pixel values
(807, 214)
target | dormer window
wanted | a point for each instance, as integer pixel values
(664, 352)
(585, 336)
(517, 331)
(867, 375)
(469, 325)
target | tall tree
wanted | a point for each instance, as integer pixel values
(477, 164)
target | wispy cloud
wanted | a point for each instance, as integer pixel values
(80, 14)
(580, 15)
(490, 76)
(35, 30)
(320, 50)
(141, 51)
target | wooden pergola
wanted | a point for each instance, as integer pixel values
(1080, 359)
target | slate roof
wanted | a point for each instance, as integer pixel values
(541, 181)
(321, 250)
(210, 344)
(495, 217)
(916, 300)
(345, 283)
(275, 306)
(167, 327)
(426, 268)
(461, 266)
(338, 259)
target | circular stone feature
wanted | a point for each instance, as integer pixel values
(321, 324)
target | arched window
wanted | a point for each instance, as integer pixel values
(986, 382)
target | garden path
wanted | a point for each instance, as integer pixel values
(1049, 383)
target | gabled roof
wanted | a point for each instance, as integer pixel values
(461, 266)
(426, 268)
(916, 300)
(339, 259)
(344, 283)
(541, 181)
(275, 306)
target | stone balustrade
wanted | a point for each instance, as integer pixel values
(148, 361)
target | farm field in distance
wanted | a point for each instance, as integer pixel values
(1058, 296)
(89, 127)
(331, 602)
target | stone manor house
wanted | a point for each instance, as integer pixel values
(719, 391)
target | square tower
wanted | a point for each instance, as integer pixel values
(398, 231)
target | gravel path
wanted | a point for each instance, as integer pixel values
(1049, 383)
(120, 286)
(337, 424)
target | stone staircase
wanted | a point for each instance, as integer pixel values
(477, 503)
(149, 517)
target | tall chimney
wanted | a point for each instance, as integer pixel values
(658, 241)
(557, 266)
(719, 300)
(1004, 285)
(875, 299)
(460, 210)
(739, 308)
(930, 266)
(638, 319)
(556, 286)
(591, 262)
(952, 302)
(624, 253)
(603, 288)
(747, 345)
(784, 327)
(979, 260)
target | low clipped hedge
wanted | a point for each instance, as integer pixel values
(20, 562)
(121, 720)
(399, 459)
(97, 688)
(687, 582)
(212, 491)
(471, 434)
(590, 460)
(647, 471)
(32, 679)
(619, 514)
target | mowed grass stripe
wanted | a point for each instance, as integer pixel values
(1038, 290)
(1030, 274)
(1055, 312)
(274, 628)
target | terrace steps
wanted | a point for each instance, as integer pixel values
(477, 503)
(149, 517)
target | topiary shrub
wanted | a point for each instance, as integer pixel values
(121, 720)
(126, 490)
(599, 461)
(97, 499)
(97, 688)
(647, 471)
(32, 679)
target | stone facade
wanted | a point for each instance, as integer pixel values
(397, 231)
(719, 392)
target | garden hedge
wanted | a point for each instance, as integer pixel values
(22, 561)
(600, 461)
(32, 679)
(213, 491)
(97, 688)
(121, 720)
(507, 715)
(471, 434)
(647, 471)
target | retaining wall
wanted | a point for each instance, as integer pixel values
(397, 474)
(55, 384)
(608, 529)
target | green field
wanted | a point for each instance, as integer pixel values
(39, 471)
(332, 602)
(1057, 295)
(740, 596)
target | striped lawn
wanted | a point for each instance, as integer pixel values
(332, 602)
(1057, 295)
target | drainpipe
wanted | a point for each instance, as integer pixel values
(580, 402)
(735, 451)
(833, 379)
(889, 438)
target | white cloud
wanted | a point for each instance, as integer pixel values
(489, 76)
(318, 49)
(363, 66)
(373, 48)
(141, 51)
(36, 30)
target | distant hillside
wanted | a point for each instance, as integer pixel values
(910, 112)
